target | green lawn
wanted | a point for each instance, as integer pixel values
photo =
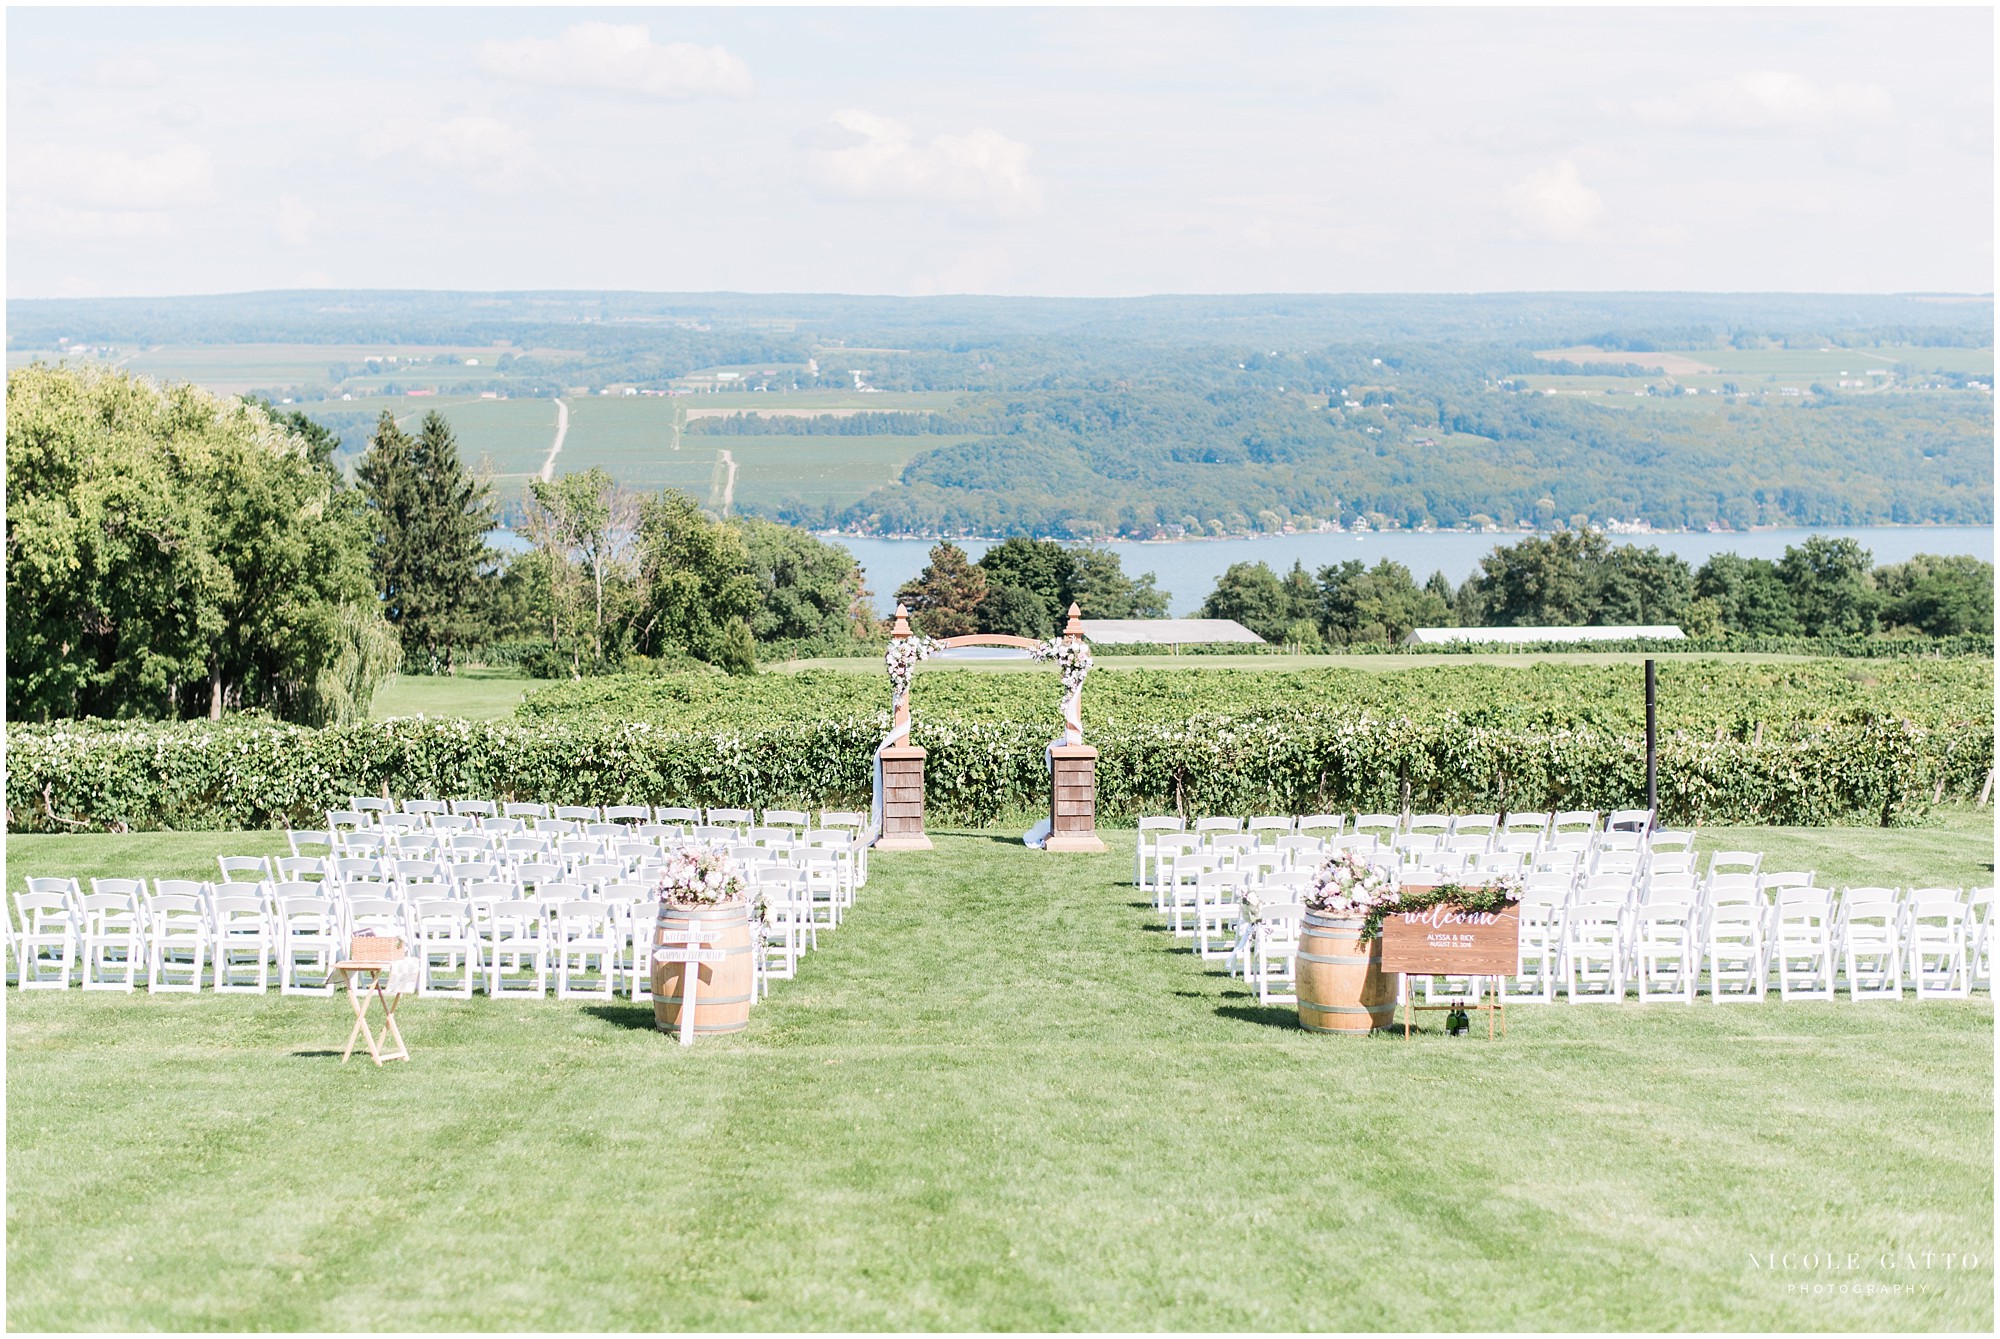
(476, 694)
(998, 1098)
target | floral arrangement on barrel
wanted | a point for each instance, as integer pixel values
(1349, 885)
(702, 876)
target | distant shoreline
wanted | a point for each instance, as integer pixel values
(1433, 530)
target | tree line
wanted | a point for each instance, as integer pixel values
(172, 553)
(1023, 588)
(1823, 587)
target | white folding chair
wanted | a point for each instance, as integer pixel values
(1978, 953)
(1738, 966)
(447, 944)
(1538, 946)
(309, 939)
(1803, 944)
(176, 937)
(299, 839)
(1217, 906)
(1594, 937)
(1666, 958)
(49, 935)
(244, 868)
(515, 949)
(1870, 943)
(1934, 928)
(1735, 862)
(586, 948)
(1167, 848)
(113, 942)
(1145, 856)
(1274, 950)
(240, 936)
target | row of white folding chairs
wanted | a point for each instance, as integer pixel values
(580, 862)
(364, 811)
(1806, 938)
(173, 934)
(1596, 946)
(1474, 833)
(507, 848)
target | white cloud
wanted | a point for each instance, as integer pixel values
(127, 69)
(478, 147)
(112, 179)
(1553, 204)
(618, 57)
(295, 221)
(30, 219)
(878, 157)
(180, 114)
(1768, 100)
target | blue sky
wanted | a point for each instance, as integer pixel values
(920, 151)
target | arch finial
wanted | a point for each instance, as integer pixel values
(901, 631)
(1073, 628)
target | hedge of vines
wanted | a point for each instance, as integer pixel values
(1869, 767)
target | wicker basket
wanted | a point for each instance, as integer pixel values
(374, 948)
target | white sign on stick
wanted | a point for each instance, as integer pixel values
(692, 954)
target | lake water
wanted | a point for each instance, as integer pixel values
(1188, 569)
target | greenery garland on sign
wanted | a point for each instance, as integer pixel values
(1491, 896)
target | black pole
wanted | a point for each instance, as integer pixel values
(1652, 742)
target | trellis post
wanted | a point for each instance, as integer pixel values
(900, 814)
(1073, 771)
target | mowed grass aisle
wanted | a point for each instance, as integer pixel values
(995, 1099)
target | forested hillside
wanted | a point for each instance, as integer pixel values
(1171, 416)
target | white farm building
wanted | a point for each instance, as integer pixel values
(1665, 632)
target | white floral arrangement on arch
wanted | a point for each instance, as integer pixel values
(901, 661)
(1072, 657)
(1346, 884)
(702, 876)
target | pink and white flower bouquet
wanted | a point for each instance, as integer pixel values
(702, 876)
(1346, 884)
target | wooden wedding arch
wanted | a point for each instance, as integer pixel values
(1072, 763)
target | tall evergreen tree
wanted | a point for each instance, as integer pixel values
(943, 599)
(431, 517)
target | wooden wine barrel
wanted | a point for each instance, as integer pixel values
(722, 1003)
(1341, 984)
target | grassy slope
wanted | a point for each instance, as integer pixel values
(997, 1099)
(476, 694)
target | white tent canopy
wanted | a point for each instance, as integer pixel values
(1165, 631)
(1628, 632)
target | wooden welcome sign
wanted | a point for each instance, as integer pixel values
(1445, 941)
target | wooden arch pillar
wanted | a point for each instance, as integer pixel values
(1073, 774)
(902, 805)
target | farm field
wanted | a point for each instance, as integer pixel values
(999, 1097)
(813, 470)
(235, 368)
(721, 404)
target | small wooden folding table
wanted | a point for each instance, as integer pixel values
(378, 957)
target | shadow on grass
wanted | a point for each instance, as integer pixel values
(636, 1016)
(1270, 1015)
(323, 1055)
